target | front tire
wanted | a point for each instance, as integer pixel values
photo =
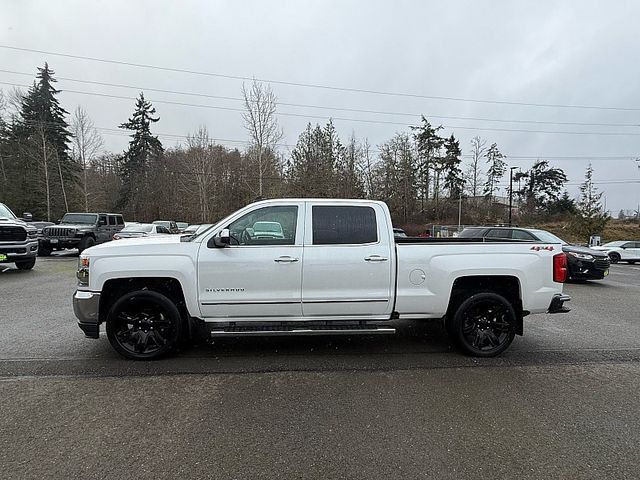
(144, 325)
(614, 257)
(484, 325)
(44, 250)
(26, 264)
(85, 243)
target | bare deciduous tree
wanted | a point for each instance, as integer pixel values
(87, 144)
(474, 169)
(199, 162)
(261, 123)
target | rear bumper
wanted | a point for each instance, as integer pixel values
(85, 307)
(19, 250)
(557, 303)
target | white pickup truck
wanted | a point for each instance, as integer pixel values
(305, 267)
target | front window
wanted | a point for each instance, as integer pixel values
(5, 212)
(79, 218)
(266, 226)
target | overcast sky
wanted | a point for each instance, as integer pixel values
(537, 52)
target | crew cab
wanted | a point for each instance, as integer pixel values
(334, 267)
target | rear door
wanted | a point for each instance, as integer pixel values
(632, 250)
(347, 270)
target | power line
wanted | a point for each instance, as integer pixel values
(324, 107)
(315, 85)
(218, 140)
(298, 115)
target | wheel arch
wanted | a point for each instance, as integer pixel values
(508, 286)
(116, 287)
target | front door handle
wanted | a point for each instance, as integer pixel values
(286, 259)
(375, 258)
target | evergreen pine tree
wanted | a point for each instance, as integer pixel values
(496, 170)
(591, 218)
(40, 136)
(144, 152)
(453, 180)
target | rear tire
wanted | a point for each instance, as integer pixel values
(85, 243)
(614, 257)
(26, 264)
(144, 325)
(484, 325)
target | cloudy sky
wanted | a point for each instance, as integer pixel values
(513, 72)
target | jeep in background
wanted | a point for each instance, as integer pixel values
(18, 240)
(81, 231)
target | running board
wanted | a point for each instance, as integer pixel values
(283, 331)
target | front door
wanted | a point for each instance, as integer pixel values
(348, 263)
(259, 275)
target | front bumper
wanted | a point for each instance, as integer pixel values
(61, 242)
(19, 250)
(85, 307)
(557, 303)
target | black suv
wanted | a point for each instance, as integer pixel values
(583, 263)
(81, 231)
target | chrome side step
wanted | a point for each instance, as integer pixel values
(242, 332)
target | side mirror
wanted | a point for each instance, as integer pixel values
(27, 217)
(223, 238)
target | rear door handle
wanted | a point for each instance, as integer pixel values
(286, 259)
(375, 258)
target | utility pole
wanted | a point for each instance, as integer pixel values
(511, 169)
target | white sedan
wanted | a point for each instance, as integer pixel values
(622, 251)
(140, 230)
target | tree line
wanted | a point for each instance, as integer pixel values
(52, 162)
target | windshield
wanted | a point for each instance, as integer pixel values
(83, 218)
(5, 212)
(141, 228)
(267, 227)
(614, 244)
(547, 237)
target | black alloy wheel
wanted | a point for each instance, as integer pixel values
(144, 325)
(484, 324)
(614, 257)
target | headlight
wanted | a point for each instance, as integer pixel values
(581, 256)
(83, 271)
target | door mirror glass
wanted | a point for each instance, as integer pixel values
(223, 238)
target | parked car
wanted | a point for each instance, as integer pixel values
(263, 230)
(399, 233)
(182, 226)
(168, 224)
(141, 230)
(624, 250)
(196, 229)
(336, 269)
(18, 240)
(583, 263)
(81, 231)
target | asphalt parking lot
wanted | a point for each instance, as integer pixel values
(562, 402)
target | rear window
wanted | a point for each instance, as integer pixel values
(344, 225)
(119, 220)
(499, 233)
(471, 233)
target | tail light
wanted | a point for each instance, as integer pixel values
(560, 268)
(116, 237)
